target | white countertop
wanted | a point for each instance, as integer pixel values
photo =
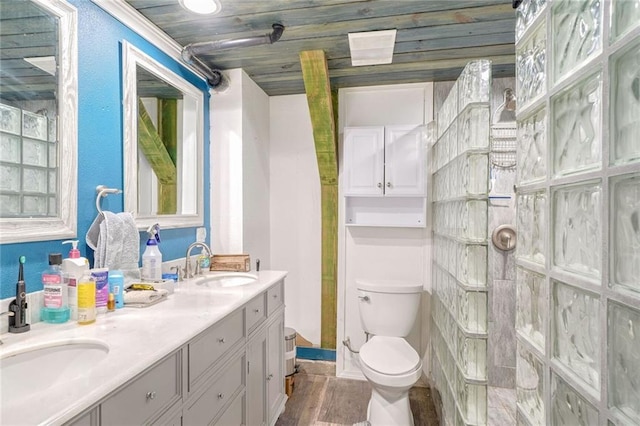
(137, 338)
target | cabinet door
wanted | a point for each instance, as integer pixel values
(404, 161)
(363, 160)
(275, 368)
(256, 385)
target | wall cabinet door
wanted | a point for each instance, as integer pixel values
(275, 368)
(404, 157)
(363, 155)
(384, 161)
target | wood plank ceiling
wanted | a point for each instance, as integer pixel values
(435, 39)
(26, 31)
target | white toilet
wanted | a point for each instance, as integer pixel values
(387, 312)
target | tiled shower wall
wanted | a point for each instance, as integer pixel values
(460, 191)
(578, 212)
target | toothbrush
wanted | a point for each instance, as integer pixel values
(19, 306)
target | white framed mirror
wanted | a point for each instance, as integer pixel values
(163, 144)
(38, 120)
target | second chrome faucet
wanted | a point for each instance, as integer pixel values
(187, 261)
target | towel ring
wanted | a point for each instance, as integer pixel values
(103, 191)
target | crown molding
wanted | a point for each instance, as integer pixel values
(129, 16)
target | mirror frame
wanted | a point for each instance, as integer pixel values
(14, 230)
(132, 58)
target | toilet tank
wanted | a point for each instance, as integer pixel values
(388, 308)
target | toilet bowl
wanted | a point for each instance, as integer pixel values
(387, 312)
(392, 367)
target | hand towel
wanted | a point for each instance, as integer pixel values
(116, 243)
(144, 297)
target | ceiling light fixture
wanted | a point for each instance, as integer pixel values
(202, 7)
(372, 47)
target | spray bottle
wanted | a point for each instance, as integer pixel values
(152, 258)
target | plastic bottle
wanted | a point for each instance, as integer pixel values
(56, 307)
(152, 258)
(86, 299)
(73, 268)
(101, 278)
(116, 287)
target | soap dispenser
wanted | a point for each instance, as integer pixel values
(152, 258)
(73, 268)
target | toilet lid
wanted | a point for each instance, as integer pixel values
(389, 355)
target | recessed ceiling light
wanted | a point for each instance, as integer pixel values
(203, 7)
(372, 47)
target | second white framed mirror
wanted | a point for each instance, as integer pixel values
(163, 143)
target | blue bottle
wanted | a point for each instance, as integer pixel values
(116, 286)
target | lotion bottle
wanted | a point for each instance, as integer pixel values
(152, 258)
(73, 268)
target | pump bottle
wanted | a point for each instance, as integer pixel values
(152, 258)
(73, 268)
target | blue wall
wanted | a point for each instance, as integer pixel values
(100, 143)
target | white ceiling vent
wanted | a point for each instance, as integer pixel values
(372, 47)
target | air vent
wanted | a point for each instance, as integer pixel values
(372, 47)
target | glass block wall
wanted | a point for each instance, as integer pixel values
(578, 212)
(460, 140)
(28, 163)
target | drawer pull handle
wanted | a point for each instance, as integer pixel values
(255, 311)
(221, 340)
(151, 395)
(220, 396)
(270, 376)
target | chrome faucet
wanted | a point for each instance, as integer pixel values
(187, 266)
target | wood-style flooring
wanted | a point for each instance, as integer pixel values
(321, 399)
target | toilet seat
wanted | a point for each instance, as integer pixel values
(391, 356)
(390, 361)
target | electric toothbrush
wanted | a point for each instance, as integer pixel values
(18, 322)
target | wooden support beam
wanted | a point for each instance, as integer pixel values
(153, 148)
(315, 74)
(168, 130)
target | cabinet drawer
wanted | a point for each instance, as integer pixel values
(207, 348)
(275, 298)
(146, 396)
(234, 415)
(208, 404)
(255, 311)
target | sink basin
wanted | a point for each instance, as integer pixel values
(231, 279)
(38, 372)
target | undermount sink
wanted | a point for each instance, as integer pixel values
(29, 373)
(231, 279)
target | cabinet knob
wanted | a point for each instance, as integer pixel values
(255, 311)
(221, 340)
(151, 395)
(388, 184)
(379, 185)
(220, 396)
(270, 376)
(275, 296)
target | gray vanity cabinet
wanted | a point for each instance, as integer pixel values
(230, 374)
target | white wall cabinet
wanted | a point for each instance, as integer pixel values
(230, 374)
(384, 176)
(384, 161)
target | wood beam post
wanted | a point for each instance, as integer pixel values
(315, 73)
